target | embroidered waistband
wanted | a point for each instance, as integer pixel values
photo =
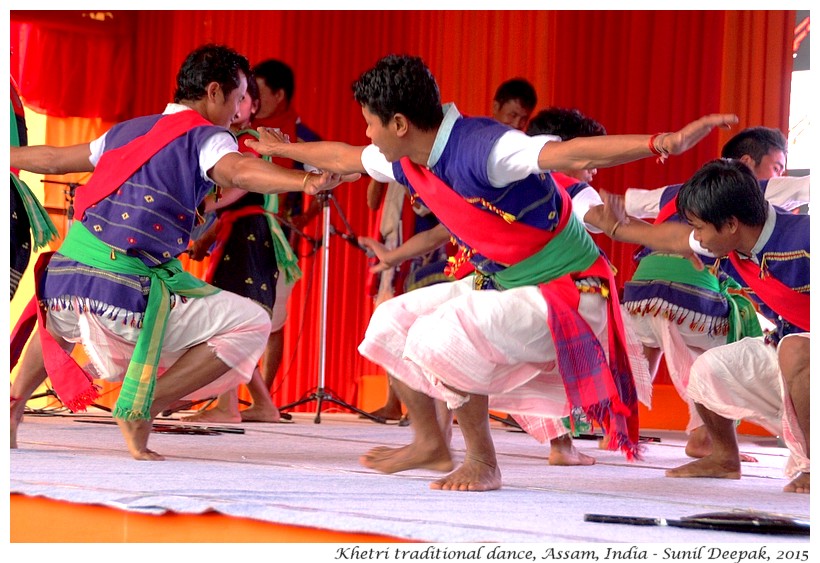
(102, 309)
(696, 321)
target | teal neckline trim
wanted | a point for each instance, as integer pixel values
(451, 115)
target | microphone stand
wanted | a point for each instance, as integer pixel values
(321, 394)
(72, 189)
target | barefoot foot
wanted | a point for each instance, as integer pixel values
(699, 445)
(256, 413)
(136, 434)
(17, 407)
(411, 456)
(708, 467)
(213, 415)
(799, 484)
(563, 452)
(472, 475)
(386, 412)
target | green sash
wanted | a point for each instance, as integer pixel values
(137, 391)
(570, 251)
(42, 228)
(677, 269)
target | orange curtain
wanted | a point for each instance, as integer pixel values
(62, 132)
(634, 71)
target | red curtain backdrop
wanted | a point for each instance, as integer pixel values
(634, 71)
(74, 64)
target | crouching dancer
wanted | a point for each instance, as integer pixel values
(764, 379)
(528, 332)
(115, 285)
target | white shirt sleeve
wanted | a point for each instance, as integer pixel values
(581, 203)
(695, 246)
(97, 147)
(643, 204)
(215, 147)
(788, 192)
(515, 156)
(376, 165)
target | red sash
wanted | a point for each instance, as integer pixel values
(667, 211)
(117, 165)
(783, 300)
(74, 386)
(510, 243)
(565, 181)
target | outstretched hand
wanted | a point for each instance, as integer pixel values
(270, 140)
(686, 138)
(607, 216)
(612, 214)
(325, 181)
(380, 251)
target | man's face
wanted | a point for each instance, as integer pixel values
(511, 113)
(383, 136)
(771, 165)
(246, 107)
(269, 100)
(718, 242)
(226, 108)
(584, 175)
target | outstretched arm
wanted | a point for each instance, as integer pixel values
(417, 245)
(340, 158)
(665, 237)
(610, 150)
(257, 175)
(46, 159)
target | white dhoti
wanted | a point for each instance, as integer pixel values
(494, 343)
(742, 380)
(234, 327)
(681, 346)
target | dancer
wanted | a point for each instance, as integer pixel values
(451, 342)
(115, 286)
(251, 258)
(679, 312)
(513, 103)
(765, 378)
(30, 222)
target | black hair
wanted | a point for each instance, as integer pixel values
(276, 75)
(517, 89)
(253, 92)
(565, 123)
(206, 64)
(401, 84)
(722, 189)
(756, 142)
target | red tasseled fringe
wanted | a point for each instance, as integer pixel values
(82, 401)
